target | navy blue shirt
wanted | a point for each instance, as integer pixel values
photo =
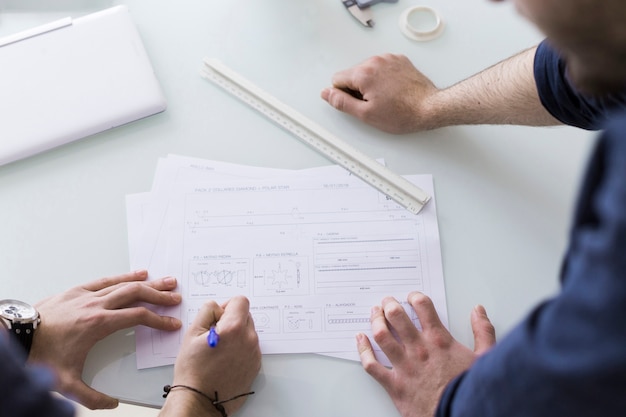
(568, 356)
(25, 392)
(561, 99)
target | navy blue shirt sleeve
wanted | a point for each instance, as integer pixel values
(568, 357)
(25, 392)
(561, 98)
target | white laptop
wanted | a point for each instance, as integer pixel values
(70, 79)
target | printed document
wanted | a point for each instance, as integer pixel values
(313, 251)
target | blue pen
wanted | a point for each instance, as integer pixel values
(212, 338)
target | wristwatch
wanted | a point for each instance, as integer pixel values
(21, 320)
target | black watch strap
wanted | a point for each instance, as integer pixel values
(24, 334)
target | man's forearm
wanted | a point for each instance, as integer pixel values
(505, 93)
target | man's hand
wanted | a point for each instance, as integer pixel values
(387, 92)
(74, 321)
(423, 362)
(228, 368)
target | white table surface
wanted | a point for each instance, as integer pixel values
(504, 194)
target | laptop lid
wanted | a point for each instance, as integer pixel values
(73, 78)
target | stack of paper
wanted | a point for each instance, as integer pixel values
(312, 249)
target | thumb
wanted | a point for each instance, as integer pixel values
(209, 314)
(484, 332)
(90, 398)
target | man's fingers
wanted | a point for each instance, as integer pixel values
(235, 312)
(106, 282)
(345, 100)
(129, 294)
(383, 335)
(400, 321)
(209, 314)
(425, 310)
(114, 320)
(345, 79)
(368, 360)
(484, 332)
(163, 284)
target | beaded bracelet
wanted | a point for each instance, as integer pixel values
(216, 402)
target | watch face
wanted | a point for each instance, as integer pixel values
(17, 311)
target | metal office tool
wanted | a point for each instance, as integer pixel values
(361, 11)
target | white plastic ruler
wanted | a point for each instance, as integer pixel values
(369, 170)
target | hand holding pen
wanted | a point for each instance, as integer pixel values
(228, 369)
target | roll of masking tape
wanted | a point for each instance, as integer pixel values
(421, 23)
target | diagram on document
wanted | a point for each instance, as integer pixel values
(312, 256)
